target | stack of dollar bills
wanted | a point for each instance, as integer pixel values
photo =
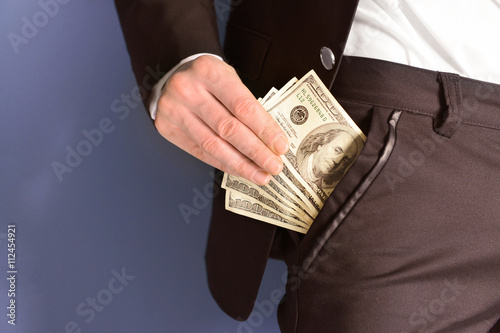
(324, 142)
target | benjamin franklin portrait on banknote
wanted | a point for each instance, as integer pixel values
(326, 153)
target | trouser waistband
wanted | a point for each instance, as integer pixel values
(448, 98)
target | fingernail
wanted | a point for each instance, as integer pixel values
(281, 145)
(261, 177)
(273, 165)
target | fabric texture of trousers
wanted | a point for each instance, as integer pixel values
(409, 239)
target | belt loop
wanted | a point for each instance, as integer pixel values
(450, 119)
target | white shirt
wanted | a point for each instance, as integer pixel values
(457, 36)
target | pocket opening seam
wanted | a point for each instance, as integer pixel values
(358, 192)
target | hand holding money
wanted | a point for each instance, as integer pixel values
(207, 111)
(324, 142)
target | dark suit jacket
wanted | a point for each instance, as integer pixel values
(268, 42)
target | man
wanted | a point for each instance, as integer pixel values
(407, 242)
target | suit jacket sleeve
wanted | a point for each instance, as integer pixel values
(160, 33)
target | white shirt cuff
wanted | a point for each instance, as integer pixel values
(160, 85)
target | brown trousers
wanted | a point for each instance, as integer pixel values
(409, 239)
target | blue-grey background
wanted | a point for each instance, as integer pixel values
(64, 71)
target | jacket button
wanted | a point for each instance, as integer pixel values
(327, 57)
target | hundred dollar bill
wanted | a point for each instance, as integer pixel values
(273, 96)
(296, 186)
(270, 93)
(283, 186)
(324, 140)
(240, 204)
(265, 196)
(276, 191)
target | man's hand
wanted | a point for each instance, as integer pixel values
(207, 111)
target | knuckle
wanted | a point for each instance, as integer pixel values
(231, 70)
(181, 84)
(255, 152)
(245, 108)
(212, 145)
(206, 68)
(268, 129)
(199, 153)
(239, 167)
(228, 128)
(165, 129)
(167, 112)
(204, 61)
(177, 81)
